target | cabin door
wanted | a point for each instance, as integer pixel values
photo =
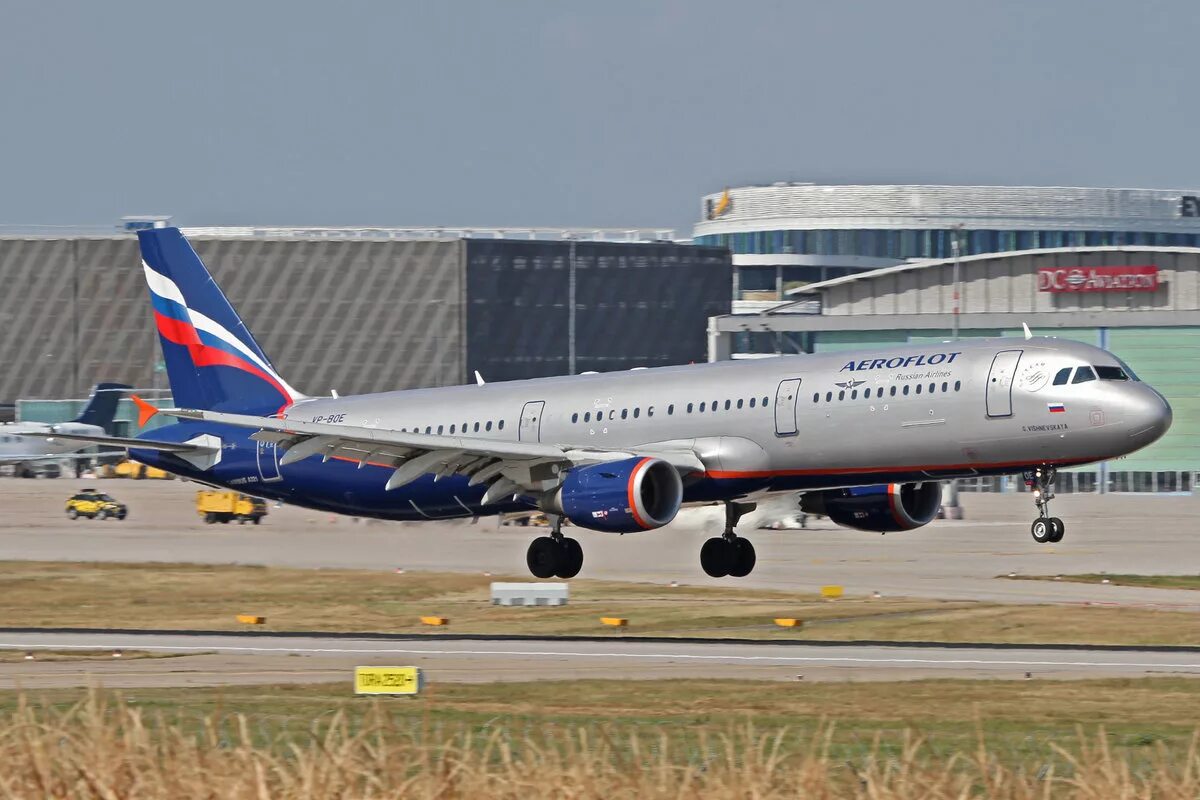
(785, 407)
(1000, 382)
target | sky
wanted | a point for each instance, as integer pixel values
(479, 113)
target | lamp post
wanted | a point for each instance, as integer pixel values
(951, 508)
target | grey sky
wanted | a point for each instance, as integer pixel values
(562, 113)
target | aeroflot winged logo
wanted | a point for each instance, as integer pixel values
(208, 342)
(900, 362)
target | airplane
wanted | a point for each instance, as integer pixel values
(865, 437)
(24, 451)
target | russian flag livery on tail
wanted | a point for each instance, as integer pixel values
(212, 360)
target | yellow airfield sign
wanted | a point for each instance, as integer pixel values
(387, 680)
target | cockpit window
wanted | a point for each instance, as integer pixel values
(1132, 375)
(1063, 375)
(1083, 375)
(1111, 374)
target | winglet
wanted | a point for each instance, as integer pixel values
(145, 410)
(479, 381)
(1028, 333)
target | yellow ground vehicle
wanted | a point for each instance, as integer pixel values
(225, 506)
(131, 469)
(95, 505)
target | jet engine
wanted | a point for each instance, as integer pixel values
(890, 507)
(635, 494)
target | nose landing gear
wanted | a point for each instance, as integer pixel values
(729, 554)
(554, 556)
(1045, 528)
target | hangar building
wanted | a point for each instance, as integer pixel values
(362, 310)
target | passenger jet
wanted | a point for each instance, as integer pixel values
(864, 437)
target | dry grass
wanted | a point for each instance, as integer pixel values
(103, 748)
(208, 597)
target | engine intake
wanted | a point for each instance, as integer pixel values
(885, 508)
(636, 494)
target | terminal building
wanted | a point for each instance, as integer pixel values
(364, 310)
(1117, 268)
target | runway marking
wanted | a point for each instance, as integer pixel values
(647, 656)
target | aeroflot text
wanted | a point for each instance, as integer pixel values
(901, 361)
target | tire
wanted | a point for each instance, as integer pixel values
(72, 514)
(744, 558)
(572, 559)
(210, 517)
(256, 520)
(715, 557)
(1042, 530)
(543, 557)
(1059, 529)
(121, 515)
(102, 514)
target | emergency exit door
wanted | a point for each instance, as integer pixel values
(785, 407)
(1000, 382)
(531, 421)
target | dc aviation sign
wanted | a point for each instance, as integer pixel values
(1098, 279)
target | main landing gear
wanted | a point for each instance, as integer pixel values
(554, 556)
(729, 554)
(1045, 528)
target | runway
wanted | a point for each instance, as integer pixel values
(215, 659)
(1142, 534)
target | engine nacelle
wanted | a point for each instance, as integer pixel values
(890, 507)
(636, 494)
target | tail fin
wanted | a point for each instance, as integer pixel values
(213, 362)
(102, 405)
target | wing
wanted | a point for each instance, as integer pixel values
(507, 467)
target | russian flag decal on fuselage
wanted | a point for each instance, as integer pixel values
(1055, 408)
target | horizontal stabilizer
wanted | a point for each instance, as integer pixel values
(126, 442)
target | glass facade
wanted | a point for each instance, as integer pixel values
(921, 244)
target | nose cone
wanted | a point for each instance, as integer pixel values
(1148, 418)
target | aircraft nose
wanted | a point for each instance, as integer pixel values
(1149, 417)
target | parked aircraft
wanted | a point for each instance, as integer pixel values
(865, 436)
(27, 452)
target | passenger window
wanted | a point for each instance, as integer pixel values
(945, 386)
(957, 385)
(452, 427)
(689, 408)
(739, 405)
(671, 410)
(918, 388)
(649, 411)
(829, 397)
(752, 399)
(727, 404)
(932, 388)
(476, 429)
(702, 408)
(428, 429)
(1111, 374)
(587, 417)
(892, 391)
(1083, 375)
(624, 413)
(906, 390)
(816, 397)
(1062, 376)
(488, 426)
(439, 430)
(636, 412)
(574, 419)
(854, 395)
(764, 402)
(714, 405)
(842, 394)
(501, 425)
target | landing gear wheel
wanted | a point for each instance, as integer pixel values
(1059, 529)
(571, 556)
(714, 557)
(743, 558)
(544, 557)
(1042, 530)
